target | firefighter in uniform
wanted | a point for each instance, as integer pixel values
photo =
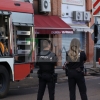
(46, 61)
(75, 59)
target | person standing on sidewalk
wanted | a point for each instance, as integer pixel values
(46, 61)
(75, 59)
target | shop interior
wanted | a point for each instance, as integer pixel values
(40, 38)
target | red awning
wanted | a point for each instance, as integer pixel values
(50, 25)
(9, 5)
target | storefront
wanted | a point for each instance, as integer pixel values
(66, 39)
(75, 14)
(50, 27)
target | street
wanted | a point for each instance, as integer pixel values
(49, 34)
(62, 92)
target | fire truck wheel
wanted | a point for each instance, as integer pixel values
(4, 81)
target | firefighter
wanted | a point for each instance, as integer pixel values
(75, 59)
(46, 61)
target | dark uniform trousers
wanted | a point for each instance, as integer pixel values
(42, 87)
(74, 78)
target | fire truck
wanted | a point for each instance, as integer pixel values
(16, 49)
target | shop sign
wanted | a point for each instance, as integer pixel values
(55, 32)
(61, 32)
(67, 32)
(73, 2)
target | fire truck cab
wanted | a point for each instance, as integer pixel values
(16, 42)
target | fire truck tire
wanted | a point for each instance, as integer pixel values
(5, 81)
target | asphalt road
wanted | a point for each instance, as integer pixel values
(62, 92)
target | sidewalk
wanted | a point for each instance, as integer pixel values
(33, 80)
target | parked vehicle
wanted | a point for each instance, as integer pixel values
(16, 49)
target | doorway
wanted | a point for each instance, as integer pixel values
(40, 38)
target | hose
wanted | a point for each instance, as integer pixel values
(2, 47)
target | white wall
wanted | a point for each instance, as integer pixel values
(67, 8)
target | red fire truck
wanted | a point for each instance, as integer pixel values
(16, 29)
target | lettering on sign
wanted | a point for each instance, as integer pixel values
(61, 32)
(74, 2)
(67, 31)
(55, 32)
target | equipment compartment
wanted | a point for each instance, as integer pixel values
(4, 35)
(22, 42)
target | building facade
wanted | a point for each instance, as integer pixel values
(63, 9)
(82, 28)
(50, 25)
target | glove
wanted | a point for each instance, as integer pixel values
(64, 66)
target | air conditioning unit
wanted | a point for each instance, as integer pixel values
(45, 5)
(77, 15)
(86, 16)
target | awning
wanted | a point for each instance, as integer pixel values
(16, 6)
(80, 28)
(50, 25)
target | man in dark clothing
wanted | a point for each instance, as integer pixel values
(46, 61)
